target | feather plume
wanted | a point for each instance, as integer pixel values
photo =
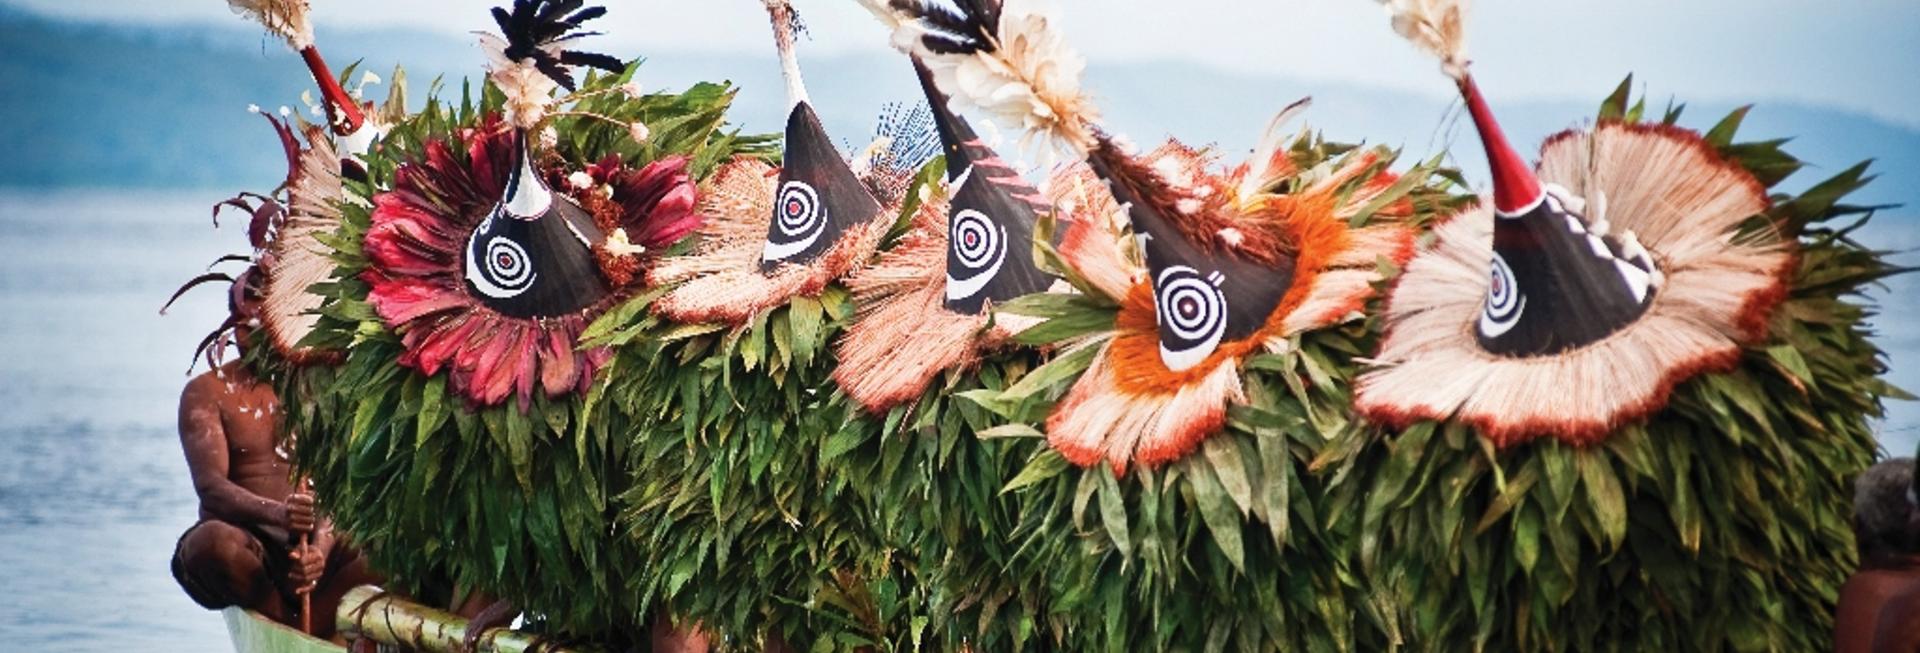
(1437, 26)
(535, 30)
(527, 60)
(1270, 163)
(287, 19)
(1007, 61)
(904, 140)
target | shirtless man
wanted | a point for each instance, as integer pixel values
(245, 549)
(1887, 529)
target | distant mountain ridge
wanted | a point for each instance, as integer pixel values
(90, 105)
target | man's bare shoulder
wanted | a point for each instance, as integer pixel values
(216, 383)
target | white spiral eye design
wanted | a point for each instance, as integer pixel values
(978, 246)
(501, 269)
(1505, 301)
(798, 221)
(1192, 314)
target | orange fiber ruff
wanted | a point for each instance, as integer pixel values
(1130, 408)
(1309, 228)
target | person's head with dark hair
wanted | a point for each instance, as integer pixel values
(243, 309)
(1886, 520)
(243, 304)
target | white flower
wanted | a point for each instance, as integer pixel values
(632, 90)
(580, 180)
(529, 92)
(1030, 83)
(639, 131)
(618, 244)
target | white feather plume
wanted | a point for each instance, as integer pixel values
(285, 18)
(1437, 26)
(1029, 80)
(1273, 145)
(905, 32)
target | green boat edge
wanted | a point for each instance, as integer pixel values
(252, 632)
(395, 624)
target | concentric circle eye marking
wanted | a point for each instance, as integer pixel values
(979, 247)
(798, 220)
(1192, 314)
(1505, 301)
(501, 269)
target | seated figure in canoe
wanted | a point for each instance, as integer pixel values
(259, 543)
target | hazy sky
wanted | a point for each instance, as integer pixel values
(1856, 54)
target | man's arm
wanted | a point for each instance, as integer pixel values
(205, 442)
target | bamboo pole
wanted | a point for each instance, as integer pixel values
(389, 620)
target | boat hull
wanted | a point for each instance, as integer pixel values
(253, 633)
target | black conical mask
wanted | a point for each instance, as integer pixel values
(1554, 285)
(819, 198)
(989, 218)
(533, 255)
(1201, 298)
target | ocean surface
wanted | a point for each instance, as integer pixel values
(93, 488)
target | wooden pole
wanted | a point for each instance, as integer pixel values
(302, 484)
(306, 593)
(369, 613)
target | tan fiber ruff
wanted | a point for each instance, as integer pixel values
(295, 258)
(903, 336)
(722, 278)
(1684, 203)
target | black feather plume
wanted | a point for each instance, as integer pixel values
(796, 26)
(534, 26)
(964, 27)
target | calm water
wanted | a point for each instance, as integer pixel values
(93, 489)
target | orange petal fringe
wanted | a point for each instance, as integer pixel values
(1684, 202)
